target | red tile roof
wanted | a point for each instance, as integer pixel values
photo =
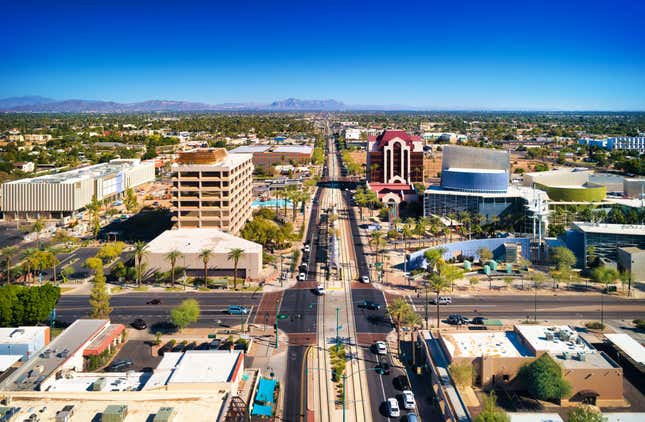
(103, 340)
(383, 189)
(388, 135)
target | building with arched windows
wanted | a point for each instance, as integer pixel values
(394, 164)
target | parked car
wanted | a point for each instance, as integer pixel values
(412, 417)
(393, 410)
(443, 300)
(480, 320)
(319, 290)
(214, 344)
(139, 324)
(457, 319)
(154, 302)
(365, 279)
(382, 368)
(380, 347)
(372, 306)
(307, 248)
(407, 397)
(302, 277)
(119, 366)
(237, 310)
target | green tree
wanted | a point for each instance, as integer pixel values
(438, 284)
(585, 413)
(205, 255)
(544, 380)
(94, 209)
(563, 258)
(490, 412)
(186, 313)
(37, 228)
(235, 255)
(130, 200)
(172, 258)
(485, 255)
(8, 253)
(377, 242)
(140, 251)
(99, 297)
(402, 314)
(434, 257)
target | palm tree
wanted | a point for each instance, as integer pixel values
(234, 255)
(438, 284)
(38, 228)
(205, 256)
(172, 257)
(139, 252)
(420, 228)
(30, 262)
(407, 233)
(94, 208)
(401, 314)
(395, 223)
(8, 253)
(376, 240)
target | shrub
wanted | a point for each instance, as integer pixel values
(544, 380)
(595, 325)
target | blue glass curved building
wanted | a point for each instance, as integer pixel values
(474, 180)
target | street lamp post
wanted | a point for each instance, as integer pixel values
(344, 395)
(337, 328)
(277, 302)
(426, 305)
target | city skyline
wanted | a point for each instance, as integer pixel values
(574, 56)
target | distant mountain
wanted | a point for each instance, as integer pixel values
(7, 103)
(296, 104)
(47, 105)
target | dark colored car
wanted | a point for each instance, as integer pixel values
(366, 304)
(382, 368)
(480, 320)
(119, 365)
(401, 383)
(139, 324)
(456, 319)
(153, 302)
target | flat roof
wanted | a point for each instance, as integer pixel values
(103, 340)
(36, 369)
(601, 228)
(113, 381)
(7, 360)
(536, 336)
(250, 149)
(20, 335)
(489, 343)
(629, 346)
(194, 240)
(90, 172)
(299, 149)
(206, 366)
(534, 417)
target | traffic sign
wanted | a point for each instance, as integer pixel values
(283, 316)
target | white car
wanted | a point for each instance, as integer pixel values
(307, 249)
(393, 408)
(320, 290)
(365, 279)
(302, 277)
(380, 347)
(443, 300)
(408, 399)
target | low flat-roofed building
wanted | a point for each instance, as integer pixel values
(190, 242)
(23, 341)
(62, 194)
(534, 417)
(65, 354)
(630, 348)
(605, 238)
(198, 370)
(632, 261)
(265, 156)
(498, 356)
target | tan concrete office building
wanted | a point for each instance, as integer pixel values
(212, 189)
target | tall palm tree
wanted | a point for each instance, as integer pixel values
(172, 257)
(438, 284)
(30, 262)
(205, 256)
(8, 253)
(407, 233)
(395, 223)
(38, 228)
(376, 240)
(398, 311)
(140, 250)
(234, 255)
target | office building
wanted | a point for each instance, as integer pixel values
(632, 261)
(23, 341)
(605, 239)
(191, 241)
(212, 189)
(627, 143)
(63, 194)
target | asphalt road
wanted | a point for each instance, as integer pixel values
(370, 321)
(294, 388)
(129, 306)
(566, 307)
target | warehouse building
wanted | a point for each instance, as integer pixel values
(212, 189)
(63, 194)
(190, 242)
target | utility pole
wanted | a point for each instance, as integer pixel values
(535, 301)
(281, 273)
(344, 394)
(426, 304)
(337, 327)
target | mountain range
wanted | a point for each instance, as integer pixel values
(37, 104)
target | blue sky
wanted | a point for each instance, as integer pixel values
(438, 54)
